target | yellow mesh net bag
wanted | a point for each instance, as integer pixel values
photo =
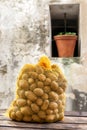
(40, 93)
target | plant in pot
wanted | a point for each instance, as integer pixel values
(65, 42)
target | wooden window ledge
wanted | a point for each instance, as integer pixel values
(72, 121)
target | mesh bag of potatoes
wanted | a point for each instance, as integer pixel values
(40, 93)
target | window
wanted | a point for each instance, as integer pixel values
(57, 12)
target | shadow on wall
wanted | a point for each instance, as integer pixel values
(80, 102)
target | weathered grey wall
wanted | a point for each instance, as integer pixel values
(25, 35)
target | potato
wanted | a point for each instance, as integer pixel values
(15, 108)
(63, 86)
(61, 116)
(47, 89)
(45, 96)
(36, 118)
(49, 111)
(19, 116)
(56, 111)
(55, 68)
(60, 90)
(34, 107)
(63, 102)
(42, 77)
(39, 69)
(53, 96)
(54, 86)
(21, 93)
(30, 80)
(61, 109)
(38, 91)
(31, 96)
(45, 105)
(25, 76)
(21, 102)
(14, 103)
(32, 86)
(60, 106)
(59, 102)
(62, 96)
(39, 101)
(56, 117)
(27, 118)
(40, 84)
(23, 84)
(50, 118)
(53, 105)
(33, 75)
(47, 81)
(62, 80)
(29, 102)
(56, 73)
(12, 115)
(26, 110)
(28, 68)
(51, 76)
(42, 114)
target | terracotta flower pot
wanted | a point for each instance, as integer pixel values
(65, 45)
